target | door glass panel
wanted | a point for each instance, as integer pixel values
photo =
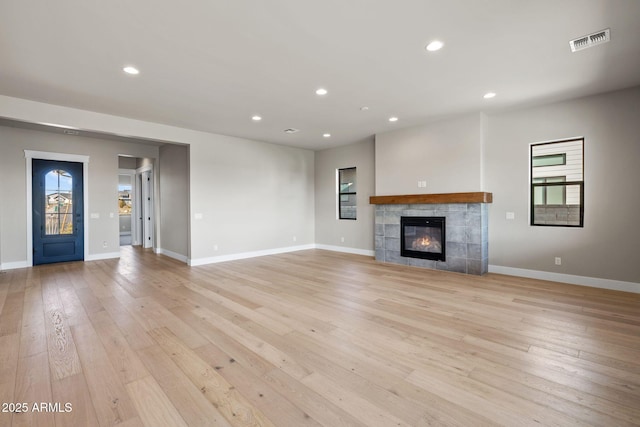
(58, 202)
(66, 224)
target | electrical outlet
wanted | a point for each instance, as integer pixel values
(104, 244)
(511, 215)
(295, 238)
(215, 247)
(342, 239)
(558, 260)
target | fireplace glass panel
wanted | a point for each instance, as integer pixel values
(423, 237)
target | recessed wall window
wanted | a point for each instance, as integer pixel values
(557, 183)
(347, 205)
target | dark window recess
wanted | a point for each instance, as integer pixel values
(423, 237)
(347, 205)
(557, 183)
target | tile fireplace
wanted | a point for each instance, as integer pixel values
(438, 231)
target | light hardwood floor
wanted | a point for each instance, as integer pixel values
(311, 338)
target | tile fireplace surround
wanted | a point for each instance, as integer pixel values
(467, 225)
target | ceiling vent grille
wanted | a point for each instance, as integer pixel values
(291, 130)
(590, 40)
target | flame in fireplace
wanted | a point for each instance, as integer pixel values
(426, 244)
(425, 241)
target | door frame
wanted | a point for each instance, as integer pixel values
(134, 205)
(146, 231)
(63, 157)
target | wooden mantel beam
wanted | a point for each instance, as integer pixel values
(408, 199)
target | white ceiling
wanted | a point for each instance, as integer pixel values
(210, 65)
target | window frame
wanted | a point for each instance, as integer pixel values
(549, 156)
(341, 193)
(544, 188)
(565, 184)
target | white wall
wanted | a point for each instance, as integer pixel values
(607, 246)
(127, 162)
(174, 200)
(446, 154)
(490, 152)
(102, 186)
(234, 181)
(359, 234)
(251, 197)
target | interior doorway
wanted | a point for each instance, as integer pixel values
(136, 201)
(126, 211)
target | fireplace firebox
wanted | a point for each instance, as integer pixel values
(423, 237)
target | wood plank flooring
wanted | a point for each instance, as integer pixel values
(310, 338)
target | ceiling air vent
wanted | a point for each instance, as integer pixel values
(291, 130)
(590, 40)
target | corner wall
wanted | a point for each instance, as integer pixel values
(490, 152)
(607, 246)
(249, 198)
(359, 234)
(174, 201)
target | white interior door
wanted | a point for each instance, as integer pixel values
(147, 209)
(137, 237)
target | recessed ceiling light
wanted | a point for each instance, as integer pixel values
(326, 135)
(434, 45)
(364, 108)
(393, 119)
(321, 91)
(489, 95)
(131, 70)
(256, 118)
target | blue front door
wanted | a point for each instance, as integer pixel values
(58, 230)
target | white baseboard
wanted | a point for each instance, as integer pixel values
(245, 255)
(172, 254)
(593, 282)
(14, 265)
(98, 257)
(344, 249)
(25, 264)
